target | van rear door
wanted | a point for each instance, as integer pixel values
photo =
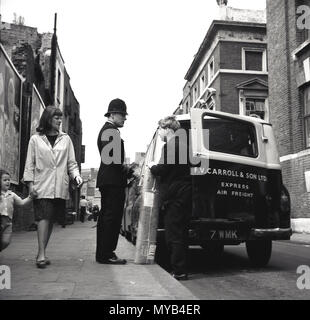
(234, 182)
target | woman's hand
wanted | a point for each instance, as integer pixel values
(30, 186)
(79, 181)
(33, 194)
(151, 164)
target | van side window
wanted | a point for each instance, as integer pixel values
(230, 136)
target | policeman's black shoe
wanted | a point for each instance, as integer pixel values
(180, 277)
(113, 260)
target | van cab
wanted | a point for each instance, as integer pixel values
(238, 192)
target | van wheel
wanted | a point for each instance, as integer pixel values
(259, 252)
(134, 240)
(128, 235)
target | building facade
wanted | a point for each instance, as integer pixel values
(36, 59)
(232, 59)
(89, 190)
(288, 24)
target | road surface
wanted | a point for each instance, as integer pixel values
(232, 277)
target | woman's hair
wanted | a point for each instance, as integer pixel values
(2, 173)
(45, 123)
(169, 122)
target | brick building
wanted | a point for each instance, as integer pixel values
(233, 60)
(72, 124)
(38, 61)
(288, 24)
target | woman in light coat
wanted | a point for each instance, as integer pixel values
(50, 158)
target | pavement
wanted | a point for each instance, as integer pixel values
(74, 273)
(302, 238)
(301, 225)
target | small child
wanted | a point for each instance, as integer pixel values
(7, 201)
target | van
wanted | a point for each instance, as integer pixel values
(238, 192)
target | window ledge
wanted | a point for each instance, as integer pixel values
(300, 48)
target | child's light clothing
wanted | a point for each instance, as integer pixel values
(7, 202)
(5, 232)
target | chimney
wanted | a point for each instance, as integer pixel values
(222, 3)
(55, 23)
(222, 10)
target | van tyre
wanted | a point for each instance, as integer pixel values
(128, 236)
(259, 252)
(133, 239)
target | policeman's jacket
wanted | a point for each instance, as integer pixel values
(112, 170)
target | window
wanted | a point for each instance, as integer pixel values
(307, 115)
(58, 85)
(255, 106)
(195, 94)
(254, 59)
(202, 82)
(230, 136)
(305, 35)
(253, 98)
(67, 96)
(76, 123)
(211, 69)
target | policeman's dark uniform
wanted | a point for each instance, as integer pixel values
(111, 181)
(177, 203)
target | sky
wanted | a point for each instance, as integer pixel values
(136, 50)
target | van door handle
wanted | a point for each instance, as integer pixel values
(264, 138)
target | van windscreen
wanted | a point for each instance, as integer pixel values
(230, 136)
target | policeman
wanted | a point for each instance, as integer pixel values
(111, 181)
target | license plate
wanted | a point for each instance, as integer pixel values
(223, 235)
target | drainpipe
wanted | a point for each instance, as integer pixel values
(53, 62)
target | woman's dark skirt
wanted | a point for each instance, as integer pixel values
(49, 209)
